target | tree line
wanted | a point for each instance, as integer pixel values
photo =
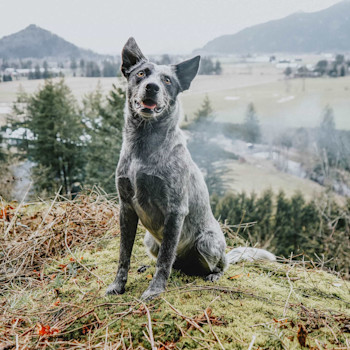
(318, 229)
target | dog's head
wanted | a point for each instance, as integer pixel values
(152, 88)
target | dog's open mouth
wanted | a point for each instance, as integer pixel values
(149, 103)
(148, 106)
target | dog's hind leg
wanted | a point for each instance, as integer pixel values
(152, 247)
(212, 252)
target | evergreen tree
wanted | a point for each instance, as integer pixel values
(321, 67)
(3, 156)
(217, 68)
(205, 112)
(206, 66)
(165, 59)
(327, 140)
(37, 72)
(342, 71)
(263, 209)
(251, 126)
(73, 65)
(56, 148)
(287, 72)
(110, 69)
(46, 73)
(282, 224)
(82, 66)
(6, 177)
(104, 120)
(92, 69)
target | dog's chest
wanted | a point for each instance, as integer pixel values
(147, 195)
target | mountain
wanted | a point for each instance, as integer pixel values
(35, 42)
(322, 31)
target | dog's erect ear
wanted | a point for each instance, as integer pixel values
(131, 55)
(186, 71)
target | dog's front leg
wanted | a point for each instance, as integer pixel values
(166, 256)
(128, 226)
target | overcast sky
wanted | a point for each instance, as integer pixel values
(173, 26)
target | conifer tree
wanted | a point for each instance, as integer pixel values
(251, 126)
(56, 147)
(104, 120)
(327, 140)
(37, 72)
(205, 112)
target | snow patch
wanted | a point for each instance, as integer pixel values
(286, 99)
(232, 98)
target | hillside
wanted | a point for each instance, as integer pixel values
(59, 256)
(35, 42)
(322, 31)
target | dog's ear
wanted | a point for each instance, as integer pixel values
(131, 55)
(186, 71)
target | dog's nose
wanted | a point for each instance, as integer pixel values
(152, 88)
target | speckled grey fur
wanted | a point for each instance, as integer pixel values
(158, 182)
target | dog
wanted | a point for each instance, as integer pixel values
(159, 184)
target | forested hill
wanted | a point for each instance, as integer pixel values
(36, 42)
(326, 30)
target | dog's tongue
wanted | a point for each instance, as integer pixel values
(149, 105)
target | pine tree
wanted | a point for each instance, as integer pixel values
(282, 225)
(56, 149)
(104, 120)
(205, 112)
(37, 72)
(251, 126)
(218, 68)
(92, 69)
(46, 73)
(264, 212)
(327, 140)
(6, 178)
(73, 65)
(110, 69)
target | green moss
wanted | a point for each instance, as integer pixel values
(266, 301)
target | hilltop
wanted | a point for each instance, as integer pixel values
(36, 42)
(322, 31)
(59, 256)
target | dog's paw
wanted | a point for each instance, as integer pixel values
(114, 288)
(149, 294)
(143, 268)
(213, 277)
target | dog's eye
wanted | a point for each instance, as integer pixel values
(141, 74)
(167, 80)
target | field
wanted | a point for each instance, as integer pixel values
(278, 102)
(257, 176)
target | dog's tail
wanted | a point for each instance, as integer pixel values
(248, 254)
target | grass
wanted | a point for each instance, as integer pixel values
(258, 174)
(278, 104)
(53, 296)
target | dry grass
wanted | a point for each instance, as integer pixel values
(32, 234)
(57, 257)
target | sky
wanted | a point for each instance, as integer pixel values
(159, 26)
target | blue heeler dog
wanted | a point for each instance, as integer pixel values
(159, 183)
